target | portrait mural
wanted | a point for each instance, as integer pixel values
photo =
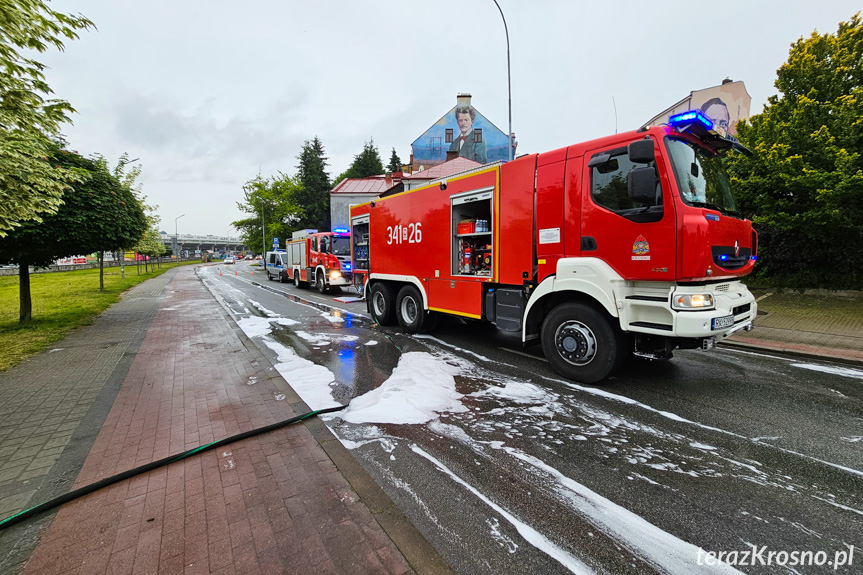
(462, 131)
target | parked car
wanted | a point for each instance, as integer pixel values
(249, 257)
(259, 257)
(229, 260)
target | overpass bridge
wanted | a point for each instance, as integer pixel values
(193, 242)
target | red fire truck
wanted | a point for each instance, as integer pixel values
(312, 257)
(626, 244)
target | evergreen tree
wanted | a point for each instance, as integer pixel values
(367, 163)
(803, 187)
(314, 196)
(395, 164)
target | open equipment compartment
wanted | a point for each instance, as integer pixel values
(360, 250)
(472, 235)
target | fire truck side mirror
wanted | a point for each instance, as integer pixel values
(641, 151)
(641, 184)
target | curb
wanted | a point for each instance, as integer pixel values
(782, 348)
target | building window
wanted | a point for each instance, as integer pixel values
(477, 135)
(448, 135)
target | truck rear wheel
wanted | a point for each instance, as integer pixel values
(297, 283)
(382, 303)
(581, 342)
(410, 313)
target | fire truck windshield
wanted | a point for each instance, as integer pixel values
(701, 177)
(341, 246)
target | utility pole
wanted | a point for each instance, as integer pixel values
(508, 82)
(177, 239)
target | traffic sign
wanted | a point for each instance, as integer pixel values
(275, 243)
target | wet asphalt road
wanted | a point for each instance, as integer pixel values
(536, 474)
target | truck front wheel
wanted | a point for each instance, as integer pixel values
(410, 313)
(581, 342)
(321, 283)
(382, 303)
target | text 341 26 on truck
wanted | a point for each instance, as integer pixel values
(628, 244)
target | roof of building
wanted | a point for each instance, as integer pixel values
(444, 170)
(371, 185)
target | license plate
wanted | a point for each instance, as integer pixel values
(723, 322)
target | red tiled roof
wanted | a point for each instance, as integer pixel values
(372, 185)
(454, 166)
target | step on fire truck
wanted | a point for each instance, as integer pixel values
(629, 244)
(321, 259)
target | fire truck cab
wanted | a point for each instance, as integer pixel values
(322, 259)
(628, 244)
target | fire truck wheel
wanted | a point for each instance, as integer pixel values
(581, 342)
(409, 310)
(320, 284)
(383, 302)
(297, 283)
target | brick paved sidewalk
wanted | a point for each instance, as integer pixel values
(269, 504)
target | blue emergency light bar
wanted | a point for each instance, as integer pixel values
(341, 230)
(690, 117)
(347, 266)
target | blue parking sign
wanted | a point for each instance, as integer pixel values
(275, 243)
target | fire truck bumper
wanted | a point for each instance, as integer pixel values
(734, 310)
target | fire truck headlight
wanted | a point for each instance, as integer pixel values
(335, 274)
(693, 301)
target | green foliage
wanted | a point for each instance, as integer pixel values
(277, 196)
(395, 164)
(803, 188)
(313, 197)
(367, 163)
(98, 213)
(30, 185)
(150, 244)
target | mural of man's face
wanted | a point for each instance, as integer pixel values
(464, 122)
(719, 114)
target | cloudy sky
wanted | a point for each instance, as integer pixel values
(210, 93)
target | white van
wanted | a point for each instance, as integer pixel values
(277, 266)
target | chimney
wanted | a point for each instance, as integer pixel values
(389, 180)
(462, 99)
(727, 81)
(451, 156)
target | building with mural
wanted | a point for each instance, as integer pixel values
(462, 132)
(725, 104)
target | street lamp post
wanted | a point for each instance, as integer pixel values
(177, 239)
(263, 237)
(123, 252)
(508, 82)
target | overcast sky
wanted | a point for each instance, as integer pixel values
(210, 93)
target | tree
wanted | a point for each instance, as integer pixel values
(276, 196)
(803, 187)
(395, 164)
(150, 243)
(30, 186)
(367, 163)
(97, 213)
(313, 197)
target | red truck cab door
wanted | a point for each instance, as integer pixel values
(637, 239)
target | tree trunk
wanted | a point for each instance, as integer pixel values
(101, 271)
(25, 306)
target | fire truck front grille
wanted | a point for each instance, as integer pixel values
(724, 257)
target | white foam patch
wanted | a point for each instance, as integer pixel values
(832, 369)
(309, 380)
(254, 326)
(324, 339)
(420, 387)
(332, 318)
(660, 548)
(371, 342)
(529, 534)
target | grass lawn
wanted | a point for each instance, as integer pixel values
(62, 302)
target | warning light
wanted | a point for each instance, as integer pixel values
(690, 117)
(341, 230)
